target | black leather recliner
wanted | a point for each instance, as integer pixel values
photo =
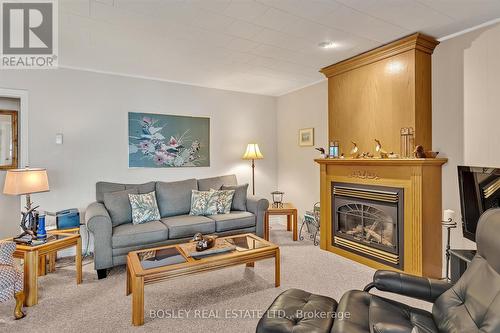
(471, 305)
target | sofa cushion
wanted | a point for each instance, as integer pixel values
(137, 234)
(142, 188)
(370, 313)
(188, 225)
(233, 220)
(239, 197)
(216, 182)
(297, 311)
(174, 198)
(118, 206)
(105, 187)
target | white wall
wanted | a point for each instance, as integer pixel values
(9, 205)
(91, 109)
(466, 81)
(298, 174)
(482, 98)
(448, 120)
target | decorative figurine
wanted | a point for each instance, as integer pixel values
(204, 242)
(431, 154)
(322, 151)
(354, 151)
(393, 155)
(378, 148)
(366, 155)
(419, 152)
(277, 199)
(207, 243)
(197, 237)
(29, 224)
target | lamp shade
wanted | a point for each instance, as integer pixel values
(253, 152)
(26, 181)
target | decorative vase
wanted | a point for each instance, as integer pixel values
(41, 233)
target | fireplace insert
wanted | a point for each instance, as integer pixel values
(368, 220)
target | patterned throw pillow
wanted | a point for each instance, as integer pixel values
(223, 200)
(202, 203)
(144, 207)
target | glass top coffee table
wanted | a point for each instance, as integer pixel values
(166, 262)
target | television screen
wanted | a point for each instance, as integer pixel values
(479, 191)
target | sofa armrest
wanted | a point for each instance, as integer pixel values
(408, 285)
(99, 224)
(258, 206)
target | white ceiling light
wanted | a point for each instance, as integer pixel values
(327, 45)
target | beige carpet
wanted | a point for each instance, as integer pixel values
(101, 306)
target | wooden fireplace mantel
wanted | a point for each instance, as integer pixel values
(420, 180)
(382, 161)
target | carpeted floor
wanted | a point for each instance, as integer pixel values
(101, 306)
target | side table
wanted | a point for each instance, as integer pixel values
(290, 211)
(52, 257)
(31, 256)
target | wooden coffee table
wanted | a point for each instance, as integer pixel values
(34, 256)
(167, 262)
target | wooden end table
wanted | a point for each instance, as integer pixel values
(32, 256)
(167, 262)
(43, 268)
(290, 211)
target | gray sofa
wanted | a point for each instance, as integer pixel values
(115, 235)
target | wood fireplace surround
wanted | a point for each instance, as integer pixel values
(372, 96)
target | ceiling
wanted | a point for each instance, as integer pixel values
(265, 47)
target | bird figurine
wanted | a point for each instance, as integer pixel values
(322, 151)
(419, 152)
(381, 152)
(354, 151)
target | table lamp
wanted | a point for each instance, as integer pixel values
(253, 153)
(26, 182)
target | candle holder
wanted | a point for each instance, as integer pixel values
(449, 224)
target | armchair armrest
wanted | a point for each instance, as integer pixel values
(99, 224)
(408, 285)
(258, 206)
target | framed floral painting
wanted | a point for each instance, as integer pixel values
(167, 141)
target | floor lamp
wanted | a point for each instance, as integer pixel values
(253, 153)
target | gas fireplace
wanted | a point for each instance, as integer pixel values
(368, 220)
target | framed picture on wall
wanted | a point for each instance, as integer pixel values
(306, 137)
(168, 141)
(8, 140)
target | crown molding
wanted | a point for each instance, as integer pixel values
(416, 41)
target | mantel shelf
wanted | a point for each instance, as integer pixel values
(382, 161)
